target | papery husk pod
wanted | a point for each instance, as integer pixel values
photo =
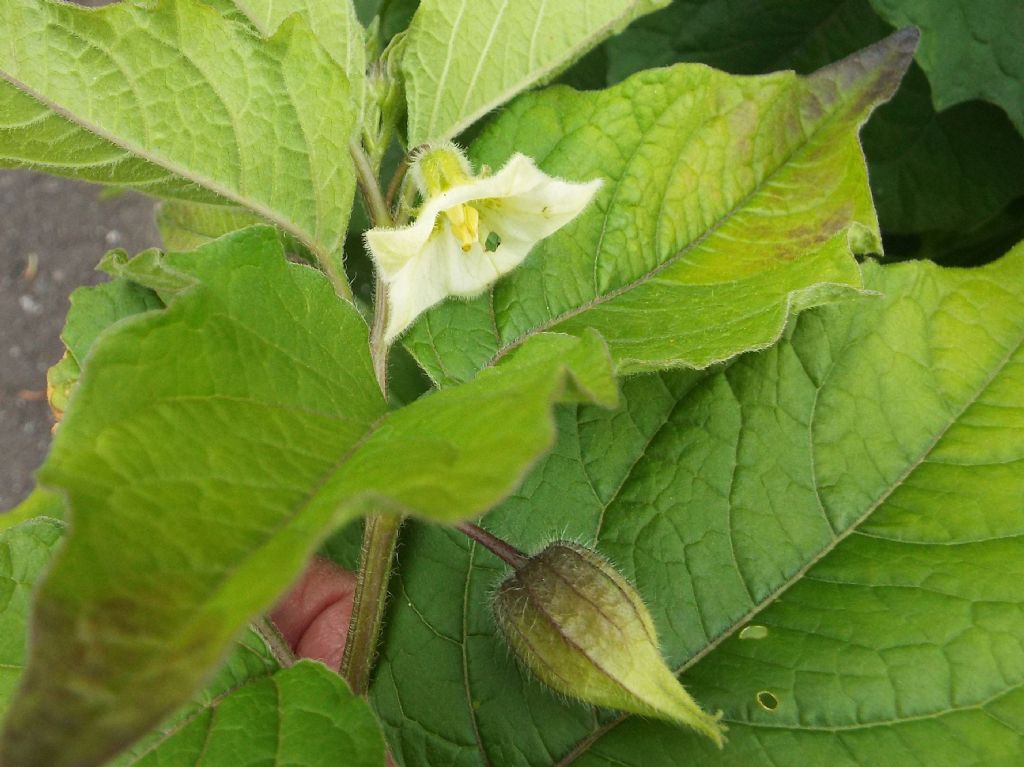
(583, 629)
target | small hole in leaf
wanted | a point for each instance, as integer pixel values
(754, 632)
(767, 701)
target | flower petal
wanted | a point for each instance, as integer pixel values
(423, 263)
(422, 282)
(392, 249)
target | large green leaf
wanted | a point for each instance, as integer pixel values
(249, 712)
(463, 59)
(210, 447)
(176, 88)
(34, 136)
(249, 661)
(24, 552)
(970, 50)
(950, 170)
(303, 715)
(728, 203)
(852, 495)
(334, 22)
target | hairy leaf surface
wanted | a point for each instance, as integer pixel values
(463, 59)
(830, 534)
(950, 170)
(131, 93)
(238, 428)
(728, 203)
(334, 22)
(34, 136)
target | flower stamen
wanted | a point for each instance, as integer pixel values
(465, 221)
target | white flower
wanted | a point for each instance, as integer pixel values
(470, 231)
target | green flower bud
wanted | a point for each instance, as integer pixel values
(582, 629)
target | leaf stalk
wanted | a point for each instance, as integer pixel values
(500, 548)
(381, 532)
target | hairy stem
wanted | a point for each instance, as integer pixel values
(381, 532)
(275, 642)
(381, 216)
(366, 177)
(375, 560)
(500, 548)
(396, 183)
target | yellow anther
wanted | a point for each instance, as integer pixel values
(465, 225)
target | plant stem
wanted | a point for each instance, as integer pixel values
(502, 549)
(275, 642)
(380, 216)
(366, 176)
(396, 183)
(379, 539)
(381, 532)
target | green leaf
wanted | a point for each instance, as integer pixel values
(93, 310)
(40, 503)
(461, 60)
(830, 534)
(250, 712)
(950, 170)
(24, 552)
(334, 22)
(249, 661)
(453, 454)
(186, 226)
(210, 448)
(190, 225)
(729, 202)
(176, 86)
(303, 715)
(969, 50)
(33, 136)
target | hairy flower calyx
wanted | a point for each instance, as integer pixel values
(471, 229)
(583, 629)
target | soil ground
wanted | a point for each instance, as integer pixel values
(52, 234)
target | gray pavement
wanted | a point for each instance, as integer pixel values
(52, 234)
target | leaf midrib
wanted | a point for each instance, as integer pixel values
(535, 75)
(979, 706)
(716, 226)
(135, 150)
(583, 745)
